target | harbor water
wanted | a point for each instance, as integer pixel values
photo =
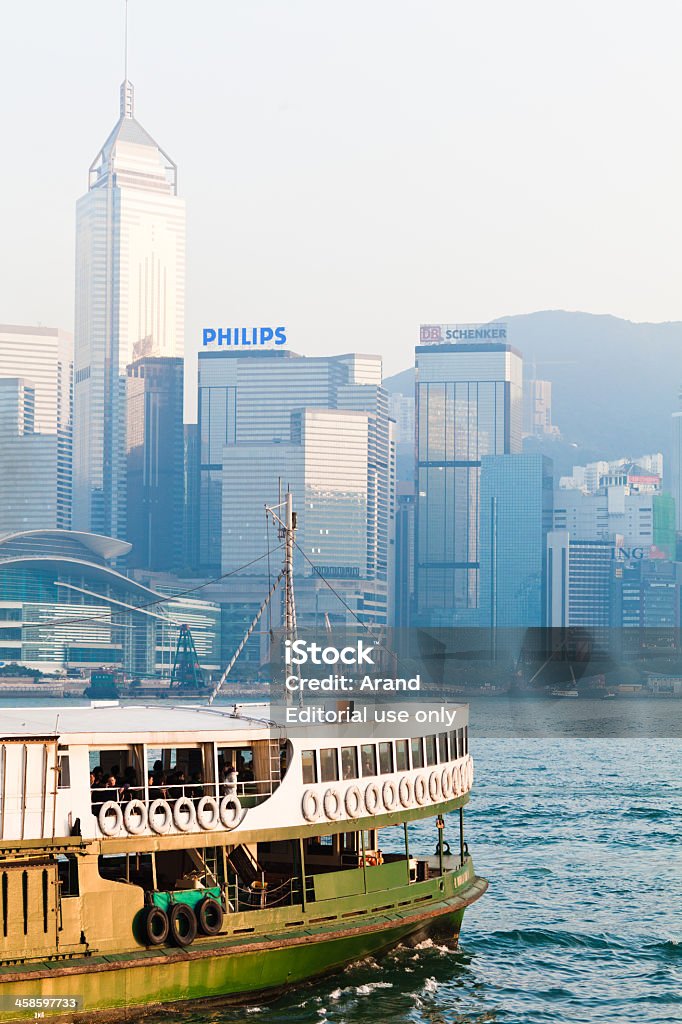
(580, 839)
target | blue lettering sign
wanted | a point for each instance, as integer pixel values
(244, 337)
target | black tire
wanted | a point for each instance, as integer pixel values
(182, 924)
(156, 926)
(210, 916)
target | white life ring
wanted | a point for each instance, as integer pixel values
(106, 826)
(332, 804)
(135, 817)
(389, 795)
(208, 813)
(372, 798)
(421, 790)
(434, 787)
(406, 791)
(457, 779)
(470, 772)
(184, 814)
(446, 783)
(230, 811)
(162, 827)
(353, 802)
(310, 805)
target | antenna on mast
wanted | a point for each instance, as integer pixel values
(126, 87)
(125, 44)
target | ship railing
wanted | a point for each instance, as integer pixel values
(250, 792)
(260, 896)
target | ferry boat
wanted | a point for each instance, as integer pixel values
(155, 855)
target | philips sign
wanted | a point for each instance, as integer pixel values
(443, 334)
(244, 337)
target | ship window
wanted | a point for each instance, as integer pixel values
(431, 750)
(466, 739)
(368, 756)
(309, 766)
(460, 742)
(402, 755)
(63, 768)
(349, 762)
(329, 768)
(67, 869)
(385, 758)
(453, 745)
(443, 747)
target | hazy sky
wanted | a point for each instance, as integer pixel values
(353, 169)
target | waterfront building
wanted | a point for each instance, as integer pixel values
(579, 578)
(515, 518)
(403, 579)
(469, 405)
(130, 298)
(64, 605)
(643, 474)
(43, 357)
(155, 466)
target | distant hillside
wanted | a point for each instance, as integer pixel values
(615, 383)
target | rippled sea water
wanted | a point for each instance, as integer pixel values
(581, 842)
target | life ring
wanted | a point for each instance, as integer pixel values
(230, 811)
(421, 790)
(434, 787)
(406, 791)
(457, 779)
(470, 772)
(446, 783)
(155, 926)
(332, 796)
(372, 798)
(353, 801)
(135, 817)
(208, 813)
(184, 814)
(106, 825)
(162, 827)
(310, 805)
(389, 794)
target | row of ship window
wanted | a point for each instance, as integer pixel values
(332, 764)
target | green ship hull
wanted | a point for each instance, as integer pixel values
(289, 948)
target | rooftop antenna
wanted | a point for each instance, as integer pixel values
(126, 88)
(125, 44)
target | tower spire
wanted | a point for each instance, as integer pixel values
(127, 93)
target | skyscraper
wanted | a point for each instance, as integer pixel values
(130, 299)
(320, 425)
(676, 474)
(28, 462)
(469, 404)
(43, 357)
(516, 516)
(155, 463)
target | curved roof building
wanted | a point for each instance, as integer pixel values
(64, 604)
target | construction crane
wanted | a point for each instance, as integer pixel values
(187, 673)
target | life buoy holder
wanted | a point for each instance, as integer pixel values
(446, 783)
(230, 811)
(135, 817)
(421, 790)
(389, 795)
(434, 787)
(332, 796)
(406, 791)
(184, 814)
(107, 826)
(161, 827)
(208, 813)
(372, 797)
(353, 802)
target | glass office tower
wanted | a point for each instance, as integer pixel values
(469, 401)
(130, 299)
(516, 516)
